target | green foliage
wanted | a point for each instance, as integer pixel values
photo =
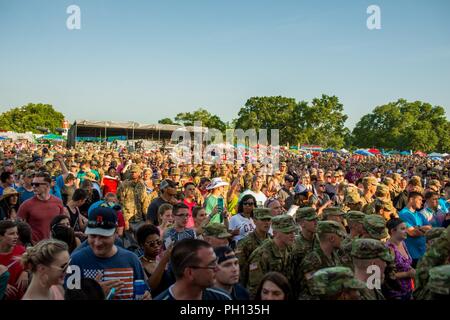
(188, 118)
(167, 121)
(31, 116)
(404, 125)
(321, 123)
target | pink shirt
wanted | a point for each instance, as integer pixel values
(191, 205)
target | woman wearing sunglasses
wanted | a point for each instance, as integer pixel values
(149, 240)
(242, 223)
(48, 261)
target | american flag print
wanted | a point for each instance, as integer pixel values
(126, 275)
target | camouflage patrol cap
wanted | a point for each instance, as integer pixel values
(306, 213)
(334, 280)
(332, 211)
(216, 230)
(356, 216)
(415, 181)
(434, 233)
(175, 172)
(396, 176)
(135, 168)
(439, 281)
(375, 226)
(435, 182)
(262, 213)
(331, 227)
(386, 205)
(283, 223)
(352, 197)
(370, 249)
(369, 181)
(382, 190)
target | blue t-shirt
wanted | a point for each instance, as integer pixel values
(417, 245)
(55, 191)
(60, 181)
(124, 266)
(207, 294)
(24, 194)
(178, 236)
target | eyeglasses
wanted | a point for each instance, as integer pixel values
(211, 266)
(154, 243)
(37, 184)
(248, 203)
(62, 268)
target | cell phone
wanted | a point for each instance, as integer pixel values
(220, 208)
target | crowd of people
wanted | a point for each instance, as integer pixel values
(92, 221)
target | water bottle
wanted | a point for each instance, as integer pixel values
(139, 289)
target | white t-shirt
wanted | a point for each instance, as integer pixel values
(244, 224)
(260, 197)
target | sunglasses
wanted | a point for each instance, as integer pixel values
(62, 268)
(248, 203)
(37, 184)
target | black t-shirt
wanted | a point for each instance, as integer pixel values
(152, 211)
(207, 294)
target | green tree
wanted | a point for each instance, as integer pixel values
(404, 125)
(167, 121)
(323, 122)
(270, 113)
(208, 120)
(31, 116)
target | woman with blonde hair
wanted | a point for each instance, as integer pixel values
(48, 261)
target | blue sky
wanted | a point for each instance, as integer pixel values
(144, 60)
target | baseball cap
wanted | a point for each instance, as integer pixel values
(102, 221)
(370, 249)
(216, 230)
(224, 253)
(289, 178)
(166, 184)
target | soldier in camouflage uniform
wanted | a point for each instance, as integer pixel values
(352, 200)
(438, 254)
(304, 243)
(131, 195)
(432, 235)
(366, 253)
(370, 188)
(273, 254)
(439, 283)
(382, 194)
(333, 214)
(216, 234)
(262, 218)
(336, 283)
(355, 221)
(325, 254)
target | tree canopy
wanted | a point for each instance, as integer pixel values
(404, 125)
(30, 117)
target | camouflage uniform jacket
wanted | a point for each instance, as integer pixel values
(244, 250)
(301, 248)
(268, 257)
(132, 196)
(436, 255)
(312, 262)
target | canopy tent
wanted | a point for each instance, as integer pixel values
(364, 153)
(437, 159)
(52, 137)
(405, 153)
(374, 151)
(435, 154)
(420, 154)
(343, 150)
(329, 150)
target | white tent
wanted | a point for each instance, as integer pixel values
(343, 151)
(435, 154)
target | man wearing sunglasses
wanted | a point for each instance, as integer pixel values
(194, 264)
(40, 210)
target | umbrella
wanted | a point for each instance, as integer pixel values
(330, 150)
(343, 150)
(437, 159)
(374, 151)
(435, 154)
(405, 153)
(364, 153)
(420, 154)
